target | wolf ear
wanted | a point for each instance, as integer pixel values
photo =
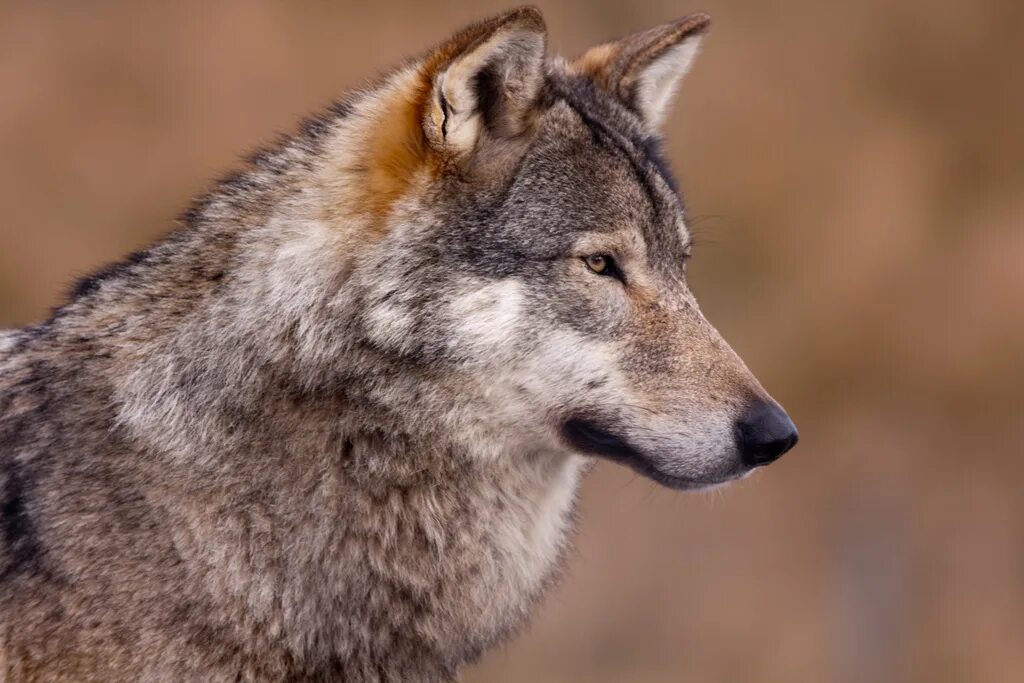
(485, 81)
(644, 69)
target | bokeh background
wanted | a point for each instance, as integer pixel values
(855, 173)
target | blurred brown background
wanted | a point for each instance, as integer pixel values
(854, 172)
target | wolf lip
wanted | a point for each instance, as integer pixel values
(590, 438)
(595, 440)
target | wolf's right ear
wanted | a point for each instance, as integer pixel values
(485, 81)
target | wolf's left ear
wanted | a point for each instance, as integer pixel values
(644, 69)
(485, 81)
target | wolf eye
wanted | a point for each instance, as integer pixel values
(601, 264)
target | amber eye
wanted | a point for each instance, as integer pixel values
(599, 263)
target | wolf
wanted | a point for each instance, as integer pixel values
(333, 426)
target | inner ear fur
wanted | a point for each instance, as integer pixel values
(485, 81)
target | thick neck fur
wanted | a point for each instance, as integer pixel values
(329, 504)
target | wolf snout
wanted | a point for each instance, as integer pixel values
(764, 433)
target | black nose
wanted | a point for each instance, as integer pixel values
(764, 433)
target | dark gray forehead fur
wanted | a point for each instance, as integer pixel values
(592, 167)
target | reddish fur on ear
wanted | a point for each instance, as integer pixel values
(380, 156)
(527, 17)
(399, 151)
(402, 138)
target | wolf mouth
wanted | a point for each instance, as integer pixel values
(591, 438)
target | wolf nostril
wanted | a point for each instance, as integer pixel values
(764, 433)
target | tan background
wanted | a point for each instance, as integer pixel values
(855, 173)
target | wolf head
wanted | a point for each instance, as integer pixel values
(513, 248)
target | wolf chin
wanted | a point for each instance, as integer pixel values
(332, 427)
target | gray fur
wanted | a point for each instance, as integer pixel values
(300, 439)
